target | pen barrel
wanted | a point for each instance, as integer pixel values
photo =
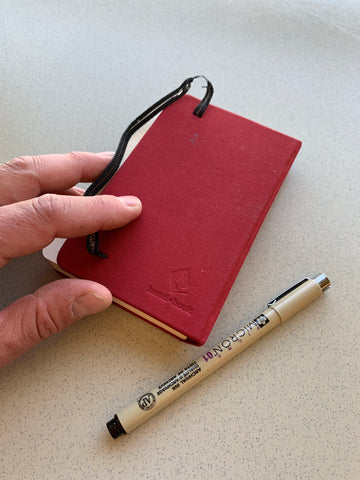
(155, 400)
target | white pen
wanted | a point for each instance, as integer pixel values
(279, 310)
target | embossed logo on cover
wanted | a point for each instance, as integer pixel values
(180, 281)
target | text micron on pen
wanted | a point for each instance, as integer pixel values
(257, 323)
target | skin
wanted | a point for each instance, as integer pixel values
(39, 202)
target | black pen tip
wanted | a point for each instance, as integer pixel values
(115, 428)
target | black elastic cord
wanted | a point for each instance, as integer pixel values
(200, 109)
(110, 170)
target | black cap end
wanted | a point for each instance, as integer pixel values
(115, 428)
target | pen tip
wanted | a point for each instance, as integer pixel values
(115, 428)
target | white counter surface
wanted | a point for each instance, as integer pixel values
(73, 76)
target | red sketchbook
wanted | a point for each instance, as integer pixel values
(206, 185)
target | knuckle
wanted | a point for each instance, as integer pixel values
(104, 209)
(44, 205)
(18, 179)
(44, 215)
(76, 159)
(46, 322)
(18, 167)
(20, 164)
(75, 155)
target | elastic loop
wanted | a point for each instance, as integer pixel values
(105, 176)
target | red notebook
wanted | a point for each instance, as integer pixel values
(206, 185)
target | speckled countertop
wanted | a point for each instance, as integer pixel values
(73, 75)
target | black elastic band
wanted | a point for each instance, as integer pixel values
(110, 170)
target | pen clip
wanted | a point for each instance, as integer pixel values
(289, 290)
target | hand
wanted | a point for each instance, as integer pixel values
(38, 202)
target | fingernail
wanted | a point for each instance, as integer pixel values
(79, 190)
(106, 154)
(130, 201)
(88, 304)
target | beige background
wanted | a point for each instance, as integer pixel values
(73, 75)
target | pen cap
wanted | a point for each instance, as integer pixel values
(300, 297)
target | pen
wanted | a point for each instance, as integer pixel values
(279, 310)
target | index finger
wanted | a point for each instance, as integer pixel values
(27, 177)
(31, 225)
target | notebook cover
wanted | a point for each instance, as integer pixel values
(206, 185)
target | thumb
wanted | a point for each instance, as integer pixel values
(49, 310)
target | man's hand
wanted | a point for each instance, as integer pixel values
(38, 202)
